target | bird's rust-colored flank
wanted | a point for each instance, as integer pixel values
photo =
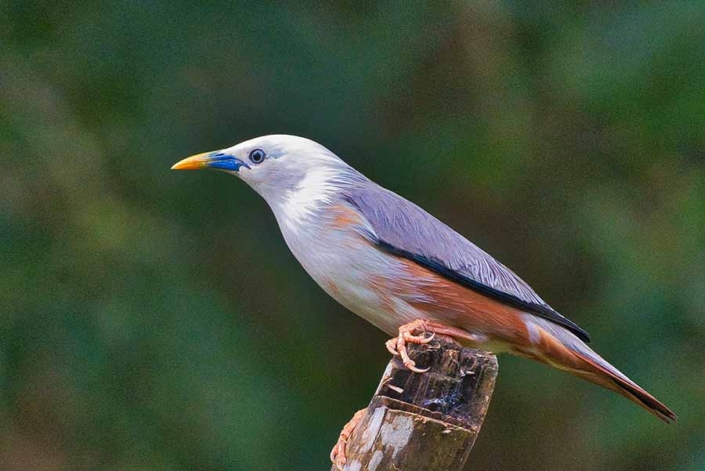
(461, 307)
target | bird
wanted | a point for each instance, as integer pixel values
(395, 265)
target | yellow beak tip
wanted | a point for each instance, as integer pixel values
(191, 163)
(181, 166)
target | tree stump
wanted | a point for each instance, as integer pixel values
(427, 421)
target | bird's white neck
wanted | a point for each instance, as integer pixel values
(299, 205)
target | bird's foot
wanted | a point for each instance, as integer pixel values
(337, 456)
(415, 332)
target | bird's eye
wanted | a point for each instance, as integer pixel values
(257, 156)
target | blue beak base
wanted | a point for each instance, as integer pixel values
(216, 160)
(220, 161)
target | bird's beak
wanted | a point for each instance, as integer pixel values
(216, 160)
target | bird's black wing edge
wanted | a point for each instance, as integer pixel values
(505, 298)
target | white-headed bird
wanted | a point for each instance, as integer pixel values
(392, 263)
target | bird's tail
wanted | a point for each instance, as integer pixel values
(561, 349)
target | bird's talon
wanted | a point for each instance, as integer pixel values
(391, 346)
(337, 455)
(419, 339)
(411, 338)
(412, 367)
(397, 345)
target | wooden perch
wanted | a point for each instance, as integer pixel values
(428, 421)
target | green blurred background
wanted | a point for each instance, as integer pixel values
(155, 320)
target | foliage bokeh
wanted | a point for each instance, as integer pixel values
(154, 320)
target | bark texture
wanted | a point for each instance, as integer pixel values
(425, 421)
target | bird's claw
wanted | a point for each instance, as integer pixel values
(391, 345)
(337, 455)
(397, 345)
(420, 339)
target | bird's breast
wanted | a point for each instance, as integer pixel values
(352, 270)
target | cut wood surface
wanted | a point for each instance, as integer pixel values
(426, 421)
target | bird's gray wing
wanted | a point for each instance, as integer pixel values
(404, 229)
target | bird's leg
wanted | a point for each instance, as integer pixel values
(337, 456)
(408, 334)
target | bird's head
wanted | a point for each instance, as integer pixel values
(284, 169)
